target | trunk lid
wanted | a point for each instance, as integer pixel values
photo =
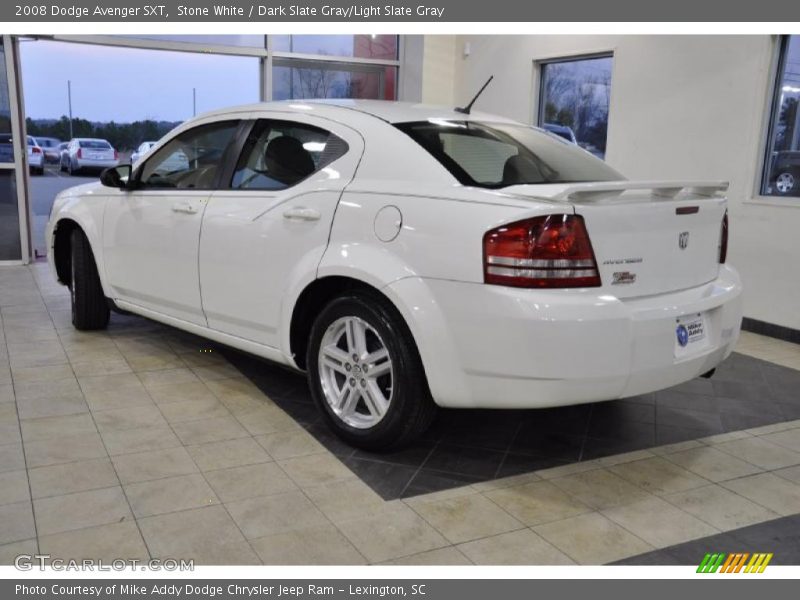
(648, 237)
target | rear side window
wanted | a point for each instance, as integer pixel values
(280, 154)
(496, 155)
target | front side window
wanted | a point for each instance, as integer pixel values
(496, 155)
(280, 154)
(191, 160)
(574, 101)
(781, 175)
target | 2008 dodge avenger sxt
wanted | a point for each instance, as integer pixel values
(406, 257)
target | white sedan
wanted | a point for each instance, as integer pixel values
(406, 257)
(141, 150)
(35, 157)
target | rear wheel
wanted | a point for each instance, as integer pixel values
(89, 306)
(365, 374)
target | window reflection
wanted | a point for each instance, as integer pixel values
(321, 80)
(574, 101)
(357, 46)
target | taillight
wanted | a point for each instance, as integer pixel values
(80, 153)
(37, 150)
(723, 241)
(553, 251)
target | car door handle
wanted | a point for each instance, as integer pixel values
(184, 207)
(301, 213)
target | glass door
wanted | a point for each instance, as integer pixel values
(13, 224)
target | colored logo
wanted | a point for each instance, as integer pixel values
(683, 335)
(736, 562)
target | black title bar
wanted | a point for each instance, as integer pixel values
(177, 11)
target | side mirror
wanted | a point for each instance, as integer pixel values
(116, 177)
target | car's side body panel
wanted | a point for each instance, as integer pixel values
(255, 242)
(150, 244)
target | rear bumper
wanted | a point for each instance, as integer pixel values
(497, 347)
(88, 163)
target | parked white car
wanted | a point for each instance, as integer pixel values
(35, 157)
(88, 154)
(406, 257)
(141, 150)
(176, 161)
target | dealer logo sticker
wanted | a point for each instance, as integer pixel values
(683, 335)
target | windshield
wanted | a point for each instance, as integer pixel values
(496, 155)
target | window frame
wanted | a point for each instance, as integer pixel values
(769, 130)
(539, 81)
(266, 55)
(253, 123)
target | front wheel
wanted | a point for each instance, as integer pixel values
(89, 306)
(366, 375)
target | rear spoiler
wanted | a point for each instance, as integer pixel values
(597, 192)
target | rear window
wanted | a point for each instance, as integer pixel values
(496, 155)
(94, 144)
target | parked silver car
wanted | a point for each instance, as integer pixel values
(88, 153)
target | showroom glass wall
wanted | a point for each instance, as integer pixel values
(135, 88)
(574, 97)
(12, 161)
(781, 176)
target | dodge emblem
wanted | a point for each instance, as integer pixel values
(683, 240)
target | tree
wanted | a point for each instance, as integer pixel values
(123, 136)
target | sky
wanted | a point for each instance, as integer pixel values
(124, 84)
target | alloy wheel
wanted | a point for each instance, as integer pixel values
(784, 183)
(356, 372)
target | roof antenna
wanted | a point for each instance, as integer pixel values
(466, 110)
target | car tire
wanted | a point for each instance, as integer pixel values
(370, 411)
(786, 182)
(89, 305)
